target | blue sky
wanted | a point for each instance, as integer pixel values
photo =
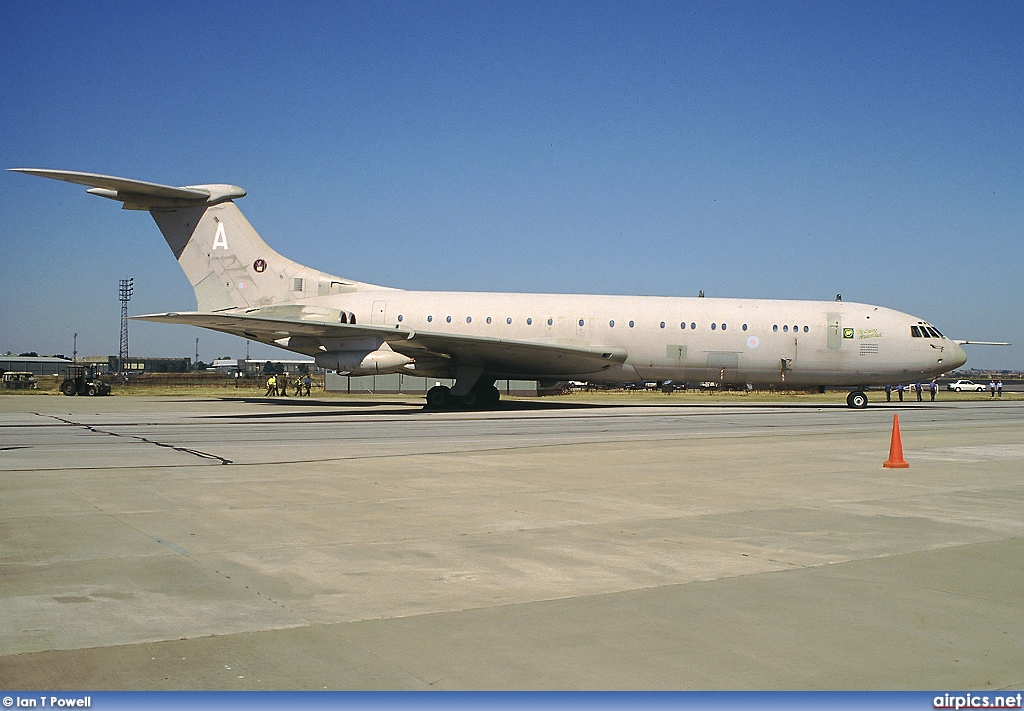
(749, 149)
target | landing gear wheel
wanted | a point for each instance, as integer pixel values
(857, 400)
(438, 397)
(68, 387)
(482, 396)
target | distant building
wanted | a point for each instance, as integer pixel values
(37, 365)
(258, 368)
(135, 364)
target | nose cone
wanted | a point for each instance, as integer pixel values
(959, 357)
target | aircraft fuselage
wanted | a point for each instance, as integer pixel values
(799, 343)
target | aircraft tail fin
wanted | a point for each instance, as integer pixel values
(226, 261)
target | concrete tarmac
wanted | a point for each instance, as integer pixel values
(205, 543)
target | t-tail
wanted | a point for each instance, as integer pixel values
(226, 261)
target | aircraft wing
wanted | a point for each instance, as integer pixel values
(311, 336)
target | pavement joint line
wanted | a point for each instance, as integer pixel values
(91, 428)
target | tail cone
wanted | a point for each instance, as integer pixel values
(896, 460)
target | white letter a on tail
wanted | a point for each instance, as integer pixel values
(220, 240)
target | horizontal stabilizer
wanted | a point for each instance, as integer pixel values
(138, 194)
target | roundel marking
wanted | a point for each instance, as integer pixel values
(753, 342)
(259, 266)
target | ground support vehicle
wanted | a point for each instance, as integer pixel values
(82, 380)
(19, 380)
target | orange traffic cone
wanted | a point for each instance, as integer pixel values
(896, 460)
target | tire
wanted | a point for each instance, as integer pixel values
(68, 387)
(956, 389)
(482, 397)
(438, 397)
(857, 400)
(92, 390)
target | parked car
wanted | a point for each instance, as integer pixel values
(959, 385)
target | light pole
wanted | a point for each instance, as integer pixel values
(125, 293)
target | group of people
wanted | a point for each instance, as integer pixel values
(277, 385)
(932, 387)
(995, 389)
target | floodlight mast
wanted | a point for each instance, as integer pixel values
(125, 293)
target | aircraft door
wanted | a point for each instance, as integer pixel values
(835, 331)
(379, 310)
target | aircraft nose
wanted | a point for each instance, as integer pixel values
(959, 357)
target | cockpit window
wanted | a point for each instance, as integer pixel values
(935, 332)
(915, 331)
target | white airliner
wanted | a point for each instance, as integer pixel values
(245, 288)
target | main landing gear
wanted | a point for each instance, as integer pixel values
(480, 396)
(857, 400)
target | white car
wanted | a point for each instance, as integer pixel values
(959, 385)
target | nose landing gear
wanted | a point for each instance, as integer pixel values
(857, 400)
